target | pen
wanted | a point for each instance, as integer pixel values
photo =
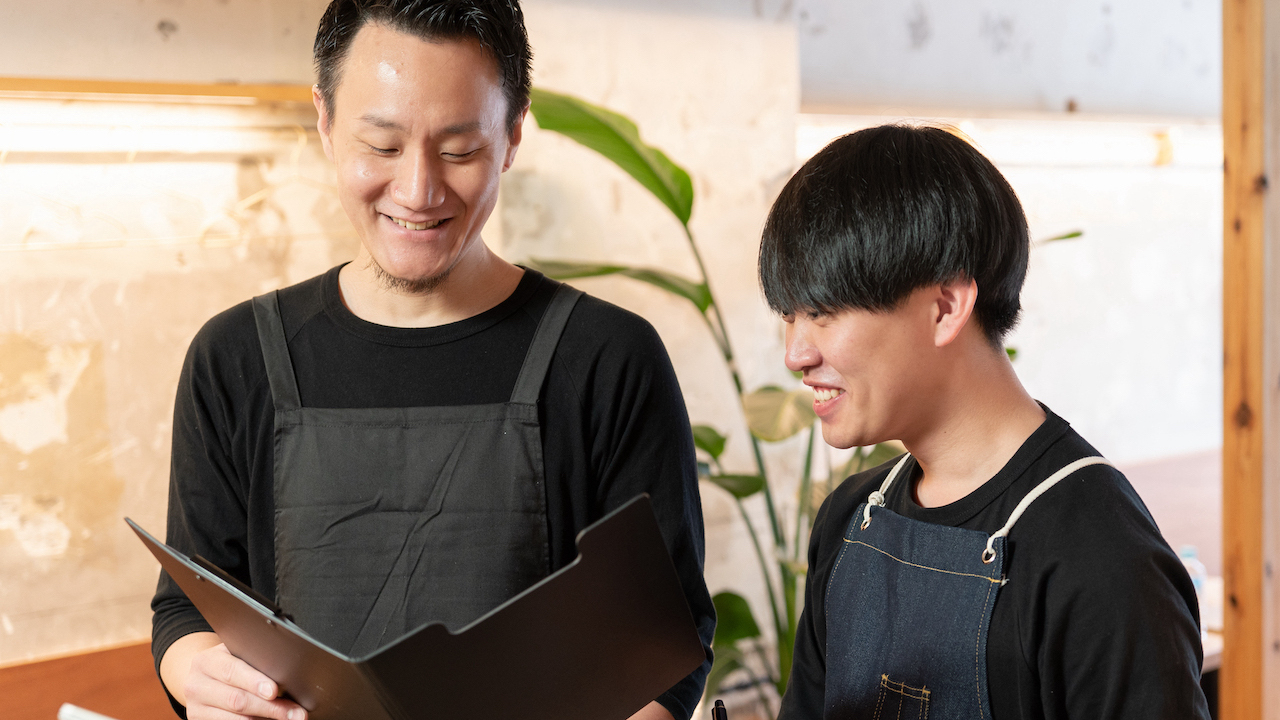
(719, 712)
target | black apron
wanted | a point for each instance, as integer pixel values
(908, 609)
(389, 518)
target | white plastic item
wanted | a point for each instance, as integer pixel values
(1194, 567)
(73, 712)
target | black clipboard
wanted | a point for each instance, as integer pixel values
(596, 640)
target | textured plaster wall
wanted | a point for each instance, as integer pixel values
(248, 41)
(108, 266)
(111, 257)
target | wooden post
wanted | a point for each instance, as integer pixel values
(1250, 680)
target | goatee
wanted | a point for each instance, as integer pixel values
(407, 286)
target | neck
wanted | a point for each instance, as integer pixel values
(475, 284)
(978, 420)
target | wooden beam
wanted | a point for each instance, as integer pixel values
(1251, 217)
(65, 87)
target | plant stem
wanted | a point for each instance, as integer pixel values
(803, 502)
(764, 568)
(764, 699)
(783, 624)
(722, 339)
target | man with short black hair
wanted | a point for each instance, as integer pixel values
(1000, 569)
(420, 434)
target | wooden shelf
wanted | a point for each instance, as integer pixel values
(62, 87)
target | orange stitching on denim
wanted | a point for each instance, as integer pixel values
(977, 653)
(826, 595)
(904, 689)
(880, 697)
(922, 567)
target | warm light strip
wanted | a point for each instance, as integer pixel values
(151, 91)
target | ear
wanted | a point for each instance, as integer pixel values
(513, 142)
(325, 124)
(953, 309)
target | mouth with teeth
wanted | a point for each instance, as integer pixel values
(821, 394)
(416, 226)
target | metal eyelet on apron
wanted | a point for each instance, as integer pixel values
(389, 518)
(883, 615)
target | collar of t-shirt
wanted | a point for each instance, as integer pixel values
(341, 316)
(900, 498)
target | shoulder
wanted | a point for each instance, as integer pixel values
(1090, 542)
(227, 348)
(601, 323)
(1092, 529)
(602, 340)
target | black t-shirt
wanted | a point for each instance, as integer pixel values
(1098, 618)
(613, 425)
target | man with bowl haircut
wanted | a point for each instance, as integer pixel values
(417, 435)
(999, 569)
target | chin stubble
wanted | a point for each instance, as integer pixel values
(408, 286)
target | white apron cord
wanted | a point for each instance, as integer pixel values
(990, 553)
(877, 497)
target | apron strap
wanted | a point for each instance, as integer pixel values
(275, 351)
(538, 359)
(990, 553)
(877, 496)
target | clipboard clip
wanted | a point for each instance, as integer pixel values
(254, 595)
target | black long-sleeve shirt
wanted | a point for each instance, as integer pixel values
(1098, 619)
(613, 425)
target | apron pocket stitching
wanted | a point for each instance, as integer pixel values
(904, 691)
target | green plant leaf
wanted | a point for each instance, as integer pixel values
(775, 414)
(1012, 353)
(706, 438)
(695, 292)
(739, 486)
(882, 453)
(617, 138)
(728, 660)
(1064, 236)
(734, 620)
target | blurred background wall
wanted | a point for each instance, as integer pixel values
(113, 253)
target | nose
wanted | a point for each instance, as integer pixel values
(418, 183)
(801, 352)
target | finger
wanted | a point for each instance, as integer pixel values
(205, 712)
(222, 681)
(225, 702)
(219, 664)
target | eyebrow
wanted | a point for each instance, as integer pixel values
(388, 124)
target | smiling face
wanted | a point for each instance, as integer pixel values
(419, 138)
(871, 372)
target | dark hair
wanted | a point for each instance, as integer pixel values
(885, 211)
(498, 25)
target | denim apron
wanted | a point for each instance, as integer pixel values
(389, 518)
(908, 608)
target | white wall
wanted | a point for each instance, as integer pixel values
(1143, 57)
